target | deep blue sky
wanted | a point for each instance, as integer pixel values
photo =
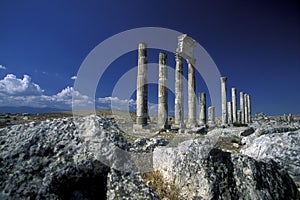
(255, 43)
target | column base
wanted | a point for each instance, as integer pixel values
(141, 128)
(179, 126)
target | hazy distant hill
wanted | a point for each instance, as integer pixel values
(30, 110)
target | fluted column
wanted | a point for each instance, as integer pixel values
(191, 95)
(202, 109)
(142, 86)
(179, 104)
(162, 117)
(234, 105)
(224, 100)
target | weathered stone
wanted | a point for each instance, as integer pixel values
(247, 132)
(249, 109)
(246, 108)
(191, 96)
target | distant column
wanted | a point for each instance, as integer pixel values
(224, 100)
(202, 109)
(290, 118)
(191, 95)
(234, 105)
(239, 116)
(211, 116)
(179, 106)
(229, 113)
(142, 86)
(249, 109)
(162, 117)
(246, 109)
(242, 108)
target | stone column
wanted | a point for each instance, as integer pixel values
(229, 112)
(191, 95)
(142, 86)
(162, 117)
(234, 105)
(202, 109)
(290, 118)
(211, 116)
(242, 108)
(239, 116)
(246, 109)
(179, 104)
(224, 100)
(249, 109)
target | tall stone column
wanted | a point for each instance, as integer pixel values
(224, 100)
(229, 112)
(249, 109)
(234, 105)
(191, 95)
(162, 117)
(179, 104)
(211, 116)
(246, 109)
(242, 108)
(142, 86)
(202, 109)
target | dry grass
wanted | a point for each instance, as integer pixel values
(164, 189)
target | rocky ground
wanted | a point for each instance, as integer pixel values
(91, 157)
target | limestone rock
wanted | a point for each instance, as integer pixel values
(201, 171)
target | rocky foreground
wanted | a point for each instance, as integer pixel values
(88, 158)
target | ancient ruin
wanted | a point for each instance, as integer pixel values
(230, 115)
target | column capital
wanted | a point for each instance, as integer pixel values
(223, 79)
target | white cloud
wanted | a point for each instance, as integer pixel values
(74, 77)
(2, 67)
(116, 104)
(12, 85)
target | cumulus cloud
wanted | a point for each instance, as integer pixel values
(12, 85)
(74, 77)
(116, 103)
(2, 67)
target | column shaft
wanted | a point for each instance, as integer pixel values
(246, 108)
(142, 86)
(179, 104)
(191, 96)
(242, 108)
(249, 109)
(162, 117)
(229, 112)
(211, 116)
(234, 105)
(202, 109)
(224, 100)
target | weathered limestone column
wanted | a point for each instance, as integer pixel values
(202, 109)
(234, 105)
(290, 118)
(229, 112)
(242, 108)
(224, 100)
(249, 109)
(246, 109)
(142, 86)
(284, 117)
(239, 116)
(179, 104)
(211, 116)
(191, 96)
(162, 117)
